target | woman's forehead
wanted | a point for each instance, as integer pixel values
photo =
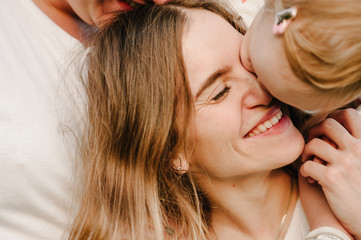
(209, 44)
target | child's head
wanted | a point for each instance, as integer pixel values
(315, 63)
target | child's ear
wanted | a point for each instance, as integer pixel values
(180, 164)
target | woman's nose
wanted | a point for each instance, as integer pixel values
(257, 95)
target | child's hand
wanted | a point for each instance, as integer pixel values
(339, 172)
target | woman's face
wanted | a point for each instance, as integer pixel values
(237, 132)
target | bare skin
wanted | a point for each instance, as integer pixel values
(263, 53)
(78, 17)
(241, 182)
(337, 143)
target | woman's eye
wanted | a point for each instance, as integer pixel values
(222, 93)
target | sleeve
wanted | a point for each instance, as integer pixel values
(326, 233)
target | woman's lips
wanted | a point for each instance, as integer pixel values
(266, 125)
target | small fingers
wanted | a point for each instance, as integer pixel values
(313, 170)
(326, 176)
(321, 149)
(350, 119)
(332, 130)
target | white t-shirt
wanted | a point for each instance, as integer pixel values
(36, 155)
(298, 228)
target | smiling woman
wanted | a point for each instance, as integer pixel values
(230, 104)
(181, 141)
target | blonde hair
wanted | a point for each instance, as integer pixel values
(138, 120)
(323, 46)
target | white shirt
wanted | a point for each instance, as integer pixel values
(36, 161)
(298, 228)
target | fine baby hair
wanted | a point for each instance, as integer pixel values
(323, 43)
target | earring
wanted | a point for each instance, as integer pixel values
(283, 19)
(178, 167)
(179, 170)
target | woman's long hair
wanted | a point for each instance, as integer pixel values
(139, 110)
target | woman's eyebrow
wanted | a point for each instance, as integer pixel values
(212, 78)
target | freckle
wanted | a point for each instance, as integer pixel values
(233, 185)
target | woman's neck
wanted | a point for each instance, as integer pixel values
(252, 207)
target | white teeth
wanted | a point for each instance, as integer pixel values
(263, 127)
(274, 120)
(268, 124)
(256, 132)
(279, 115)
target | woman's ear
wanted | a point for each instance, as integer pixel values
(180, 164)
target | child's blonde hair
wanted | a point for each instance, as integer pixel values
(323, 45)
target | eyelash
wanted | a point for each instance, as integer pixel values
(222, 93)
